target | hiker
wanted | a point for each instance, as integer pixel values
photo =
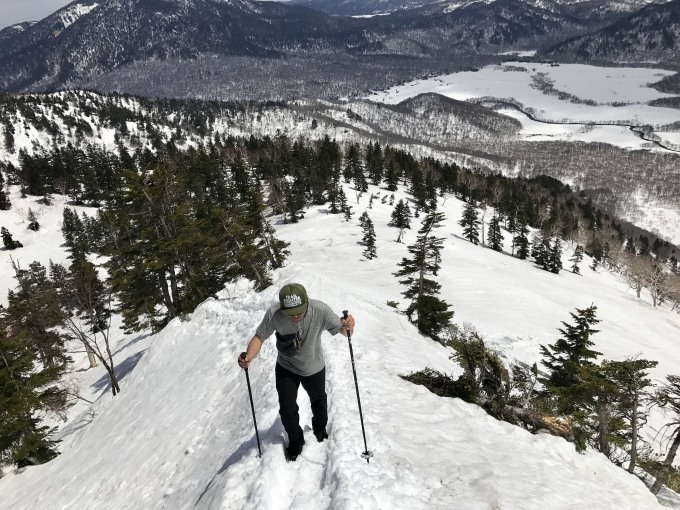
(298, 323)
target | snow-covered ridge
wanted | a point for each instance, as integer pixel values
(72, 13)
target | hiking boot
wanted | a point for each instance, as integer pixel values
(320, 435)
(295, 448)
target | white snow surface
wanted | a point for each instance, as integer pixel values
(72, 13)
(620, 95)
(180, 434)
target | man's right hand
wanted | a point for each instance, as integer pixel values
(244, 362)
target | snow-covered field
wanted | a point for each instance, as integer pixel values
(180, 435)
(621, 95)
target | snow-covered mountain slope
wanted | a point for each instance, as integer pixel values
(575, 142)
(180, 434)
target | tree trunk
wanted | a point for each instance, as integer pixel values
(164, 289)
(90, 356)
(177, 304)
(111, 369)
(555, 425)
(603, 430)
(633, 436)
(667, 463)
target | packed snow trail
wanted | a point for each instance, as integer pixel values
(430, 452)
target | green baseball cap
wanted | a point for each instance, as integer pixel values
(293, 299)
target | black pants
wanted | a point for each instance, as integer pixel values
(287, 384)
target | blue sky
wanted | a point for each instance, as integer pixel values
(16, 11)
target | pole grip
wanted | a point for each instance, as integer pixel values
(344, 314)
(243, 355)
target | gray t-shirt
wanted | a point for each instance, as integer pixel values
(306, 356)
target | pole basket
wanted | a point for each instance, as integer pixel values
(367, 455)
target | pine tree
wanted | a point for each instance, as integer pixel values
(668, 397)
(33, 221)
(5, 204)
(375, 163)
(294, 197)
(632, 382)
(432, 313)
(348, 212)
(173, 242)
(401, 215)
(521, 240)
(354, 171)
(567, 355)
(25, 391)
(419, 191)
(554, 262)
(594, 400)
(540, 251)
(495, 233)
(470, 222)
(369, 237)
(392, 177)
(576, 259)
(8, 241)
(33, 360)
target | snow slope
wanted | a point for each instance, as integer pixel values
(180, 435)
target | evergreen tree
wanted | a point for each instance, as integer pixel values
(294, 197)
(555, 257)
(418, 190)
(632, 381)
(5, 204)
(375, 163)
(8, 241)
(432, 313)
(33, 221)
(392, 177)
(521, 240)
(569, 354)
(540, 251)
(495, 233)
(171, 247)
(348, 212)
(401, 215)
(26, 390)
(354, 170)
(369, 236)
(9, 135)
(576, 259)
(470, 222)
(668, 397)
(594, 399)
(33, 360)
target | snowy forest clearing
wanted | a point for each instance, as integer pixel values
(180, 433)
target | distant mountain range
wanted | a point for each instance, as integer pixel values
(373, 7)
(649, 35)
(166, 47)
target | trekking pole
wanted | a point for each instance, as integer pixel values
(252, 406)
(365, 454)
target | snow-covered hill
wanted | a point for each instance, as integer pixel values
(180, 434)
